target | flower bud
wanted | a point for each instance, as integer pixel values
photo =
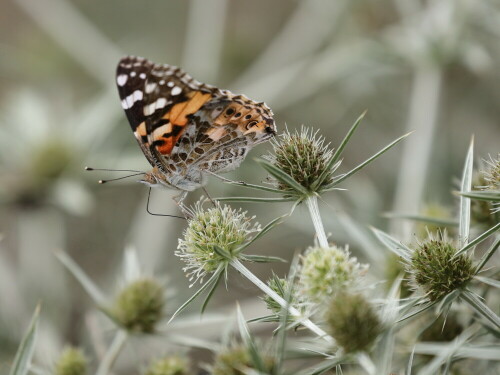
(72, 361)
(173, 365)
(326, 271)
(303, 156)
(219, 226)
(139, 306)
(353, 322)
(436, 271)
(235, 360)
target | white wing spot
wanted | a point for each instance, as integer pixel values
(121, 79)
(170, 84)
(133, 74)
(150, 87)
(142, 76)
(129, 101)
(149, 109)
(162, 82)
(176, 91)
(161, 102)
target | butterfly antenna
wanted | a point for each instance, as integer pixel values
(120, 178)
(111, 170)
(164, 215)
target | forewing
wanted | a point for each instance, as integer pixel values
(158, 100)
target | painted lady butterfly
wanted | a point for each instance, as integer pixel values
(188, 129)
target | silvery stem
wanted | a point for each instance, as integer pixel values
(312, 205)
(271, 293)
(112, 354)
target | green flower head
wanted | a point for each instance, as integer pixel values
(304, 157)
(72, 361)
(172, 365)
(236, 360)
(210, 231)
(353, 322)
(327, 271)
(436, 270)
(140, 305)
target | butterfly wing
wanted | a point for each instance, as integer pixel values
(185, 127)
(158, 100)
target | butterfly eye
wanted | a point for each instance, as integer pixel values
(230, 111)
(251, 124)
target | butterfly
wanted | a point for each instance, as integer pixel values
(185, 128)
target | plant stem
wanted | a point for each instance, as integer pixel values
(424, 110)
(112, 354)
(271, 293)
(312, 205)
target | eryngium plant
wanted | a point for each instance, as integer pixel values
(210, 232)
(353, 322)
(302, 165)
(326, 271)
(237, 360)
(72, 361)
(304, 156)
(140, 306)
(171, 365)
(436, 270)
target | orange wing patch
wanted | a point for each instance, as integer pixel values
(166, 136)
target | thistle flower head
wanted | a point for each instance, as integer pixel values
(304, 156)
(326, 271)
(353, 322)
(435, 269)
(491, 174)
(172, 365)
(140, 305)
(211, 230)
(280, 286)
(72, 361)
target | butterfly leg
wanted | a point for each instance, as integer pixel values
(208, 196)
(227, 180)
(154, 214)
(179, 199)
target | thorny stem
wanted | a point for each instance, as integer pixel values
(271, 293)
(112, 354)
(312, 205)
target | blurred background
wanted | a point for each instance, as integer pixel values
(431, 67)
